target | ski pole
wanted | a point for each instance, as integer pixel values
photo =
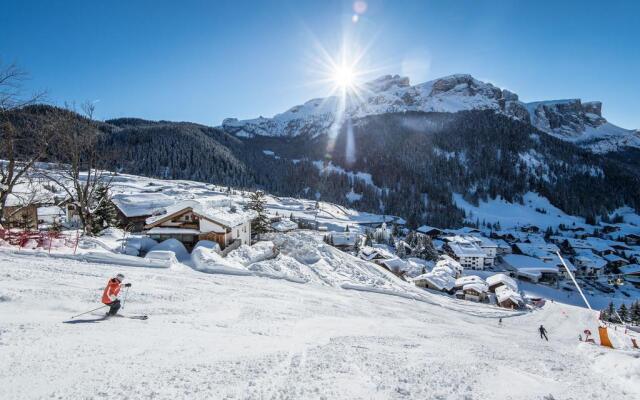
(106, 305)
(126, 291)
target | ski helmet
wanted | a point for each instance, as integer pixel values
(120, 277)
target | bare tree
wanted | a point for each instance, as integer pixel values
(16, 163)
(81, 173)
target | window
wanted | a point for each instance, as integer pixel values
(186, 217)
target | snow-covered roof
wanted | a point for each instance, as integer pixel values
(394, 263)
(427, 229)
(438, 279)
(140, 204)
(614, 258)
(369, 253)
(464, 248)
(502, 279)
(631, 269)
(591, 260)
(529, 266)
(465, 280)
(476, 286)
(538, 250)
(450, 263)
(222, 213)
(504, 293)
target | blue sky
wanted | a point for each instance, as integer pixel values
(204, 61)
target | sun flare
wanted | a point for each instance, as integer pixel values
(344, 77)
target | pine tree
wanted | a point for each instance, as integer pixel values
(611, 313)
(635, 312)
(256, 203)
(346, 228)
(400, 249)
(623, 312)
(105, 213)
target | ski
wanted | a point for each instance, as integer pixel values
(141, 317)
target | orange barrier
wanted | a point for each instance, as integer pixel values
(604, 337)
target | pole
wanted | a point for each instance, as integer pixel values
(126, 292)
(574, 281)
(96, 309)
(77, 239)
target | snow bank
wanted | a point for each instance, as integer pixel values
(208, 244)
(282, 267)
(162, 255)
(175, 246)
(247, 255)
(206, 260)
(141, 243)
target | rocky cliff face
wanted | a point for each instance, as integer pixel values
(571, 120)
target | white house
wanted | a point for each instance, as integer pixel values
(530, 268)
(466, 252)
(191, 221)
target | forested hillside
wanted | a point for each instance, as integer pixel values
(416, 161)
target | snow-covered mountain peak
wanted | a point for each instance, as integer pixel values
(386, 82)
(570, 119)
(581, 123)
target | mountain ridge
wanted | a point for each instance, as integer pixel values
(569, 119)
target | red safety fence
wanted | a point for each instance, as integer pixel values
(40, 239)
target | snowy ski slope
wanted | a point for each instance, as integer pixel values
(245, 337)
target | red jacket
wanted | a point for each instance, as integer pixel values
(111, 291)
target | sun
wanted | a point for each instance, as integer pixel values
(344, 77)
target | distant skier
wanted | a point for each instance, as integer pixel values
(110, 294)
(543, 333)
(500, 322)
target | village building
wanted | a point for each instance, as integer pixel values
(508, 298)
(191, 221)
(466, 252)
(465, 280)
(589, 264)
(134, 208)
(632, 238)
(440, 278)
(374, 254)
(530, 268)
(345, 241)
(430, 231)
(497, 280)
(542, 250)
(475, 292)
(503, 247)
(631, 274)
(614, 261)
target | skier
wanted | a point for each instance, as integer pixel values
(543, 333)
(500, 322)
(110, 294)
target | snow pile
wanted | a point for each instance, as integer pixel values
(282, 267)
(284, 225)
(162, 255)
(333, 267)
(246, 255)
(174, 246)
(206, 260)
(208, 244)
(136, 245)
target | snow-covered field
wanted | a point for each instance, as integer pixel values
(215, 336)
